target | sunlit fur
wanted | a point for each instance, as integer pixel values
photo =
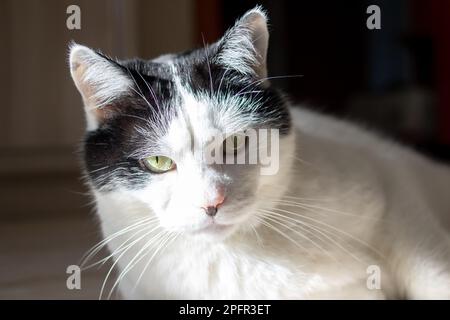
(344, 199)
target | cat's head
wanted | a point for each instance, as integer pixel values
(151, 125)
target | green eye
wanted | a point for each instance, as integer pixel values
(158, 164)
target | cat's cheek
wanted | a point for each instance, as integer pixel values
(177, 218)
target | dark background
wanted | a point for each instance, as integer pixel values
(394, 80)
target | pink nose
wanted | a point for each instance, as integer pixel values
(212, 207)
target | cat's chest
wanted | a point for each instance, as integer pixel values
(210, 271)
(220, 273)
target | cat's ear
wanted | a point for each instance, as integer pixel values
(244, 46)
(99, 80)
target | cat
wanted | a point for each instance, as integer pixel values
(346, 215)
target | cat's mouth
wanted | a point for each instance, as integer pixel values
(213, 228)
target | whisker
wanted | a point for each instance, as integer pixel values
(140, 93)
(137, 256)
(221, 79)
(152, 92)
(169, 239)
(117, 260)
(123, 246)
(270, 78)
(133, 116)
(209, 66)
(248, 92)
(304, 161)
(97, 247)
(333, 228)
(328, 210)
(270, 226)
(271, 217)
(258, 238)
(320, 231)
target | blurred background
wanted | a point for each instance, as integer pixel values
(395, 80)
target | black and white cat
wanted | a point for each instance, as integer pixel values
(341, 203)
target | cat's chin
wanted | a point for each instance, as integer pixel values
(214, 231)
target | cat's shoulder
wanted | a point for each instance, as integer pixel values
(341, 133)
(328, 127)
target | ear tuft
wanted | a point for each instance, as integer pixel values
(99, 80)
(244, 46)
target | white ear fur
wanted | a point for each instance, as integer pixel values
(98, 80)
(244, 46)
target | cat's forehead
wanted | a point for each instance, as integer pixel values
(201, 95)
(190, 64)
(201, 100)
(186, 132)
(202, 116)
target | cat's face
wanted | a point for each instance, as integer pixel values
(167, 133)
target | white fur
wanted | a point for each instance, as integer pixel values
(356, 201)
(389, 189)
(245, 45)
(98, 81)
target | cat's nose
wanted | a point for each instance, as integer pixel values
(211, 211)
(212, 208)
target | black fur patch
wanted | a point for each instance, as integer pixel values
(108, 150)
(201, 74)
